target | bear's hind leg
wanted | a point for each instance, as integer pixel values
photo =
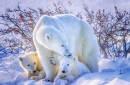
(91, 61)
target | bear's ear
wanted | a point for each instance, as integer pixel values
(20, 58)
(35, 53)
(48, 37)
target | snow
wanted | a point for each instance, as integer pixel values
(119, 64)
(12, 74)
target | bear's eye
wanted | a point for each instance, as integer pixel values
(28, 65)
(62, 45)
(67, 64)
(34, 63)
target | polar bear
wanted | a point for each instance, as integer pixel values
(67, 35)
(72, 67)
(32, 65)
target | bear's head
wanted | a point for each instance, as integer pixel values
(66, 64)
(29, 61)
(54, 40)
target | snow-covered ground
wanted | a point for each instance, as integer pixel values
(12, 74)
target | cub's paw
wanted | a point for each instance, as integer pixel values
(52, 60)
(70, 78)
(33, 77)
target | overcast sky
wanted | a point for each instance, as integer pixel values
(77, 4)
(108, 4)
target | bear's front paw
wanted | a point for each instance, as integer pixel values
(70, 78)
(47, 80)
(33, 77)
(52, 61)
(40, 76)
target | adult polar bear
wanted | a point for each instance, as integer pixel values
(67, 35)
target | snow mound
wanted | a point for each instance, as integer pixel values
(12, 74)
(118, 81)
(118, 64)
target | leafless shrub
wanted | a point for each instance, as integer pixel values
(111, 29)
(19, 23)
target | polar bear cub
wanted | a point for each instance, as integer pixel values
(70, 67)
(32, 65)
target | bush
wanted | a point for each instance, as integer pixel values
(111, 29)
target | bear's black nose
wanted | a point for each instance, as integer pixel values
(63, 71)
(69, 55)
(34, 71)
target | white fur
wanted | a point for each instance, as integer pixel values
(72, 67)
(30, 62)
(78, 38)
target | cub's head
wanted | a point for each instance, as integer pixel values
(66, 64)
(29, 61)
(54, 40)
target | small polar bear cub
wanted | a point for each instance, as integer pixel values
(69, 66)
(32, 65)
